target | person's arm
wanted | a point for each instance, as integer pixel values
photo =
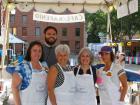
(16, 81)
(124, 86)
(52, 74)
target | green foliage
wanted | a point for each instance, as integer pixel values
(131, 24)
(126, 26)
(96, 22)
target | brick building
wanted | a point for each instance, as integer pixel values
(23, 26)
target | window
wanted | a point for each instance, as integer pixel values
(24, 19)
(77, 31)
(65, 42)
(12, 18)
(13, 30)
(77, 24)
(24, 31)
(64, 31)
(37, 23)
(37, 31)
(77, 45)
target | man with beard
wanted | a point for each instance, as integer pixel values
(50, 33)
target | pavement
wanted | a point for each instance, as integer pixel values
(133, 67)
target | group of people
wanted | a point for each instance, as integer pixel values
(46, 78)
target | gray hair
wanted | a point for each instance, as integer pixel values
(62, 48)
(85, 49)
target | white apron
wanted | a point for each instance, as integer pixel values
(108, 91)
(65, 93)
(36, 92)
(85, 90)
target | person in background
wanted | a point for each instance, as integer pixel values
(29, 80)
(50, 33)
(113, 88)
(121, 59)
(61, 80)
(20, 57)
(85, 75)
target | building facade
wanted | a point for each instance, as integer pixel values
(24, 27)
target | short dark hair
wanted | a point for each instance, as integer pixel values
(112, 56)
(50, 27)
(28, 54)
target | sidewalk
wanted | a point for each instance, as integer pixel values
(133, 67)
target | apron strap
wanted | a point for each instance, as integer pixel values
(78, 70)
(89, 69)
(59, 67)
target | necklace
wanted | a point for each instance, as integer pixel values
(108, 70)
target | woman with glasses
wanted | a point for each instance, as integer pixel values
(113, 88)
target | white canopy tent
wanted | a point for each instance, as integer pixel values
(57, 6)
(12, 39)
(60, 6)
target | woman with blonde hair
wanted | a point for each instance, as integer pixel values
(85, 75)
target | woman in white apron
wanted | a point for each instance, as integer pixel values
(85, 75)
(29, 81)
(113, 88)
(61, 79)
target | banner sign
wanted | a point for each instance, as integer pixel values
(55, 18)
(127, 8)
(122, 11)
(133, 6)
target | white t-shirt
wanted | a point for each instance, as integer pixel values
(117, 70)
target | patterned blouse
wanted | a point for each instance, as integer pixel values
(25, 72)
(60, 76)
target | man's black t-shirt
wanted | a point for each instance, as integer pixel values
(49, 55)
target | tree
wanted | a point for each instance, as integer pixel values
(126, 26)
(131, 24)
(96, 22)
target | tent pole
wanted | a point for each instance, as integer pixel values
(14, 48)
(109, 30)
(4, 34)
(23, 48)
